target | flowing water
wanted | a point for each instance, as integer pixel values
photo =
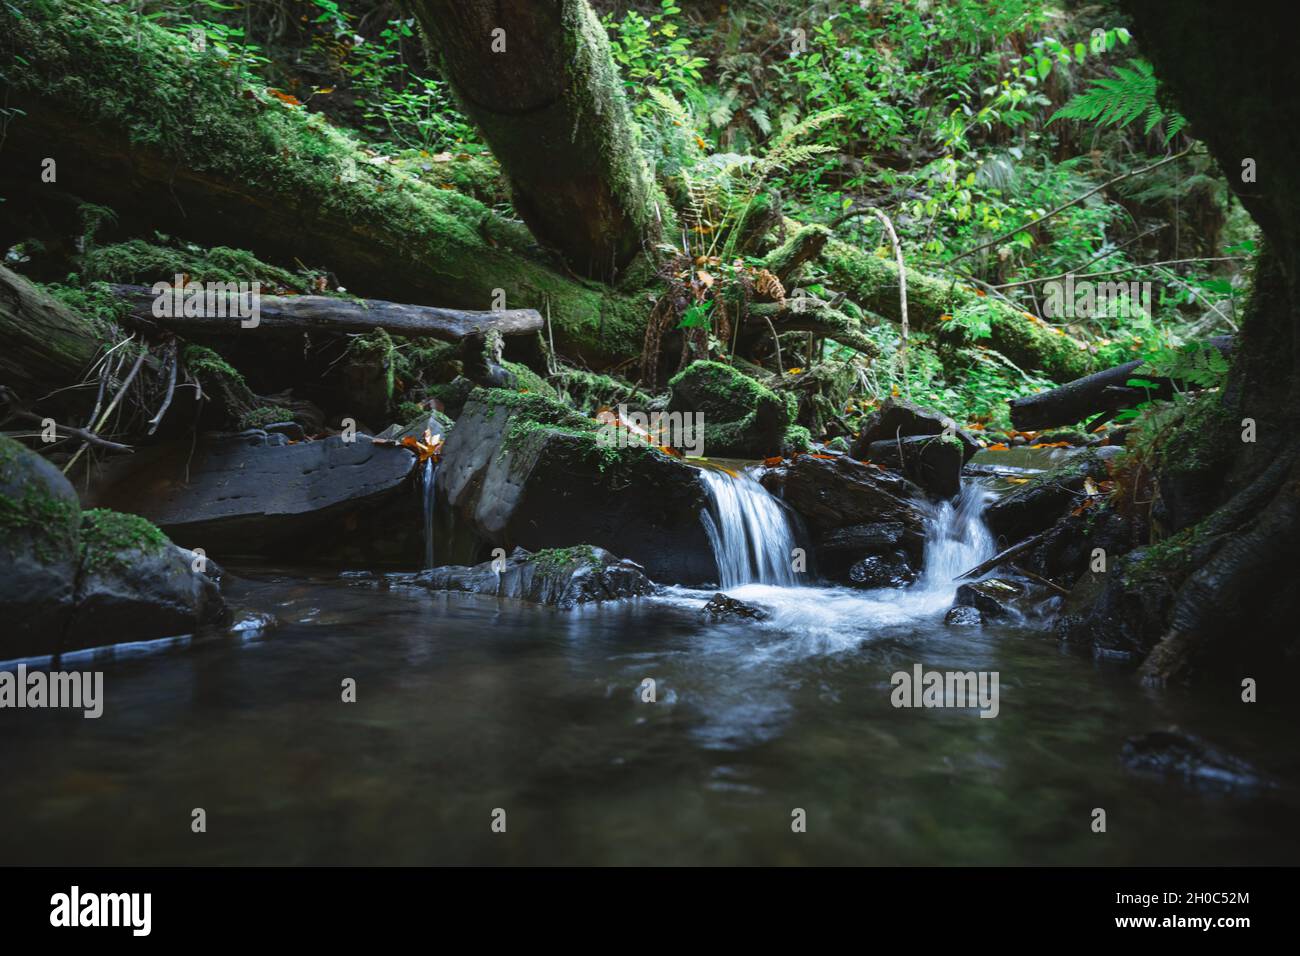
(428, 490)
(752, 533)
(466, 704)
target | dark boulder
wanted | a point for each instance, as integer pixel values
(896, 418)
(134, 584)
(561, 578)
(1175, 755)
(257, 495)
(1046, 498)
(963, 615)
(833, 492)
(40, 524)
(839, 549)
(889, 570)
(83, 579)
(933, 462)
(723, 608)
(522, 470)
(994, 597)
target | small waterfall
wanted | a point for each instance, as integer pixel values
(750, 531)
(956, 539)
(427, 478)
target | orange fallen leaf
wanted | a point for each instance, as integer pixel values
(1000, 446)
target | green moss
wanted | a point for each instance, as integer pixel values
(50, 523)
(530, 381)
(590, 391)
(109, 538)
(797, 438)
(142, 263)
(742, 417)
(873, 283)
(110, 68)
(94, 302)
(552, 560)
(202, 361)
(265, 415)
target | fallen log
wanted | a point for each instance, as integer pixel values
(278, 314)
(44, 345)
(1105, 391)
(810, 316)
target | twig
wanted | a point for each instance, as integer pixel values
(1072, 202)
(87, 436)
(172, 361)
(1114, 272)
(902, 294)
(1002, 556)
(135, 370)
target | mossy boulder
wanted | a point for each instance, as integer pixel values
(1047, 497)
(558, 577)
(932, 461)
(40, 549)
(742, 417)
(897, 418)
(522, 470)
(135, 584)
(79, 579)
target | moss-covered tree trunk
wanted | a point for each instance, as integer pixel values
(1236, 501)
(43, 344)
(174, 139)
(538, 79)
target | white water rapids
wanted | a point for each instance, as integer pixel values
(752, 537)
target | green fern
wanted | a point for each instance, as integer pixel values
(1122, 99)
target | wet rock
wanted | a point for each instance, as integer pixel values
(1170, 753)
(963, 615)
(135, 584)
(722, 608)
(890, 570)
(79, 579)
(742, 418)
(561, 578)
(931, 461)
(833, 493)
(247, 495)
(994, 597)
(1068, 435)
(40, 523)
(1047, 497)
(896, 418)
(524, 470)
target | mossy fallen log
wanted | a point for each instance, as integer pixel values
(288, 315)
(44, 345)
(872, 283)
(175, 139)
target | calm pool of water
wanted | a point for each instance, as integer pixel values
(469, 704)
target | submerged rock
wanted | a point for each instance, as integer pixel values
(721, 608)
(963, 615)
(76, 580)
(896, 418)
(931, 461)
(889, 570)
(562, 578)
(1190, 759)
(994, 597)
(524, 470)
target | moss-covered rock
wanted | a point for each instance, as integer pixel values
(521, 469)
(742, 418)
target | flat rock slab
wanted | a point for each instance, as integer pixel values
(244, 495)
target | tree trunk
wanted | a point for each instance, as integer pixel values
(43, 344)
(1234, 606)
(1105, 391)
(173, 140)
(537, 78)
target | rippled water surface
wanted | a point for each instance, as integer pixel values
(467, 704)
